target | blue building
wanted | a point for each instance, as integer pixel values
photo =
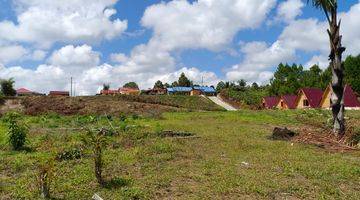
(193, 91)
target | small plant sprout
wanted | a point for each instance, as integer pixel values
(97, 141)
(45, 178)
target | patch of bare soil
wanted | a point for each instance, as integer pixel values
(11, 104)
(324, 138)
(88, 106)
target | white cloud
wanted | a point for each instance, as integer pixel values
(12, 53)
(80, 56)
(46, 21)
(288, 10)
(209, 24)
(118, 57)
(38, 55)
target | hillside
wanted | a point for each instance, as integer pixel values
(142, 105)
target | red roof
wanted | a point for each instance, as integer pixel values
(23, 90)
(290, 100)
(271, 102)
(128, 90)
(107, 92)
(314, 96)
(59, 93)
(350, 99)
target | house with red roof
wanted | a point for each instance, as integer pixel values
(109, 92)
(59, 93)
(309, 98)
(129, 91)
(287, 102)
(350, 99)
(270, 102)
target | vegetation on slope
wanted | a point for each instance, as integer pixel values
(230, 157)
(140, 105)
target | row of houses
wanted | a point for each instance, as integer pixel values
(26, 92)
(191, 91)
(311, 98)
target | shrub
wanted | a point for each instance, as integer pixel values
(72, 154)
(97, 141)
(17, 133)
(355, 137)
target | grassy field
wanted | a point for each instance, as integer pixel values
(231, 157)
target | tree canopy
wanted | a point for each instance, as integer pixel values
(289, 79)
(159, 84)
(352, 72)
(184, 81)
(132, 85)
(7, 87)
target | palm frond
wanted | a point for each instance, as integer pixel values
(327, 5)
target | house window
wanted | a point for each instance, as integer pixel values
(282, 104)
(306, 103)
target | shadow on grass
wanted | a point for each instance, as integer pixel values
(117, 182)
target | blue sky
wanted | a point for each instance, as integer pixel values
(43, 43)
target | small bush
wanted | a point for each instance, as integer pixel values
(17, 133)
(72, 154)
(355, 138)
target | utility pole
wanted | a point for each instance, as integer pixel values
(71, 84)
(202, 81)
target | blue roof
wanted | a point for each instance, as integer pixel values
(205, 89)
(180, 89)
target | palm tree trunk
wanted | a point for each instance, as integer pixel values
(337, 68)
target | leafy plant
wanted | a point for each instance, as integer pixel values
(17, 132)
(97, 141)
(72, 154)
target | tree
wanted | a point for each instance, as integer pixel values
(159, 84)
(255, 86)
(220, 86)
(106, 87)
(329, 8)
(184, 81)
(7, 87)
(352, 72)
(167, 85)
(175, 84)
(132, 85)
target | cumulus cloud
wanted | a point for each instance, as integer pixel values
(288, 10)
(45, 22)
(209, 24)
(12, 53)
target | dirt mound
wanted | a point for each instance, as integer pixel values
(91, 105)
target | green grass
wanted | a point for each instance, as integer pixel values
(232, 158)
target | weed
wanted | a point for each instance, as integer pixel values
(132, 193)
(17, 133)
(97, 141)
(72, 154)
(355, 137)
(45, 178)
